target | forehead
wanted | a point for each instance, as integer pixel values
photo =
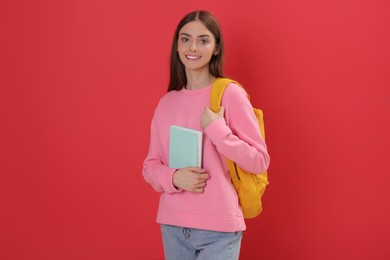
(195, 28)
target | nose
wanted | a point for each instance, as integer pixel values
(193, 46)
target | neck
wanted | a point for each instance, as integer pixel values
(198, 79)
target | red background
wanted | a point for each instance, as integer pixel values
(79, 84)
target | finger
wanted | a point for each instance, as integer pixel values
(222, 110)
(201, 185)
(203, 176)
(198, 190)
(207, 109)
(196, 169)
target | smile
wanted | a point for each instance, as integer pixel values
(192, 57)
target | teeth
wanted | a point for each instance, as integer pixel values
(192, 57)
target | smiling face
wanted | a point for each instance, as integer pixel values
(206, 53)
(196, 45)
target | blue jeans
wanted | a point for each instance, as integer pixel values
(182, 243)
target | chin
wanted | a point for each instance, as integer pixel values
(195, 67)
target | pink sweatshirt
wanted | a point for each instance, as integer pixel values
(217, 208)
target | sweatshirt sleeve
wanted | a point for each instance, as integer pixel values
(237, 135)
(155, 171)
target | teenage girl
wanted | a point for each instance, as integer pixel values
(199, 213)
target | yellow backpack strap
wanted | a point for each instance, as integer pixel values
(218, 87)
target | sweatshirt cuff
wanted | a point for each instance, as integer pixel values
(168, 181)
(218, 130)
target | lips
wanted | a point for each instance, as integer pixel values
(193, 57)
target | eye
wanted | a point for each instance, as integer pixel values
(203, 41)
(184, 39)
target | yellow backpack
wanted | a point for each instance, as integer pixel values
(250, 187)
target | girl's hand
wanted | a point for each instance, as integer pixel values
(192, 179)
(209, 116)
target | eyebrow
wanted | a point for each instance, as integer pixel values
(200, 36)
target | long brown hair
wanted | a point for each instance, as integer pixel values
(178, 78)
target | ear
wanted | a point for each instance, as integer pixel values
(216, 51)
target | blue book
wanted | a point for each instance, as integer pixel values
(185, 147)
